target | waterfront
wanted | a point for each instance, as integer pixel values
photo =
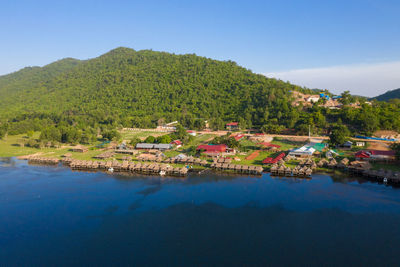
(54, 216)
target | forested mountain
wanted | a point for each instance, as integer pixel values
(140, 87)
(389, 95)
(132, 88)
(31, 77)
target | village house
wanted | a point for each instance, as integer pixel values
(360, 144)
(192, 133)
(269, 146)
(146, 146)
(169, 127)
(346, 145)
(232, 126)
(176, 143)
(302, 152)
(376, 155)
(275, 160)
(313, 98)
(238, 137)
(80, 149)
(212, 150)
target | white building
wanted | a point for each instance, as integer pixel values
(304, 151)
(313, 98)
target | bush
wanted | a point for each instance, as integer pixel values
(150, 139)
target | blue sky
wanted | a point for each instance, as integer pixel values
(278, 38)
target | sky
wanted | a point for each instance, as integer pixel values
(333, 44)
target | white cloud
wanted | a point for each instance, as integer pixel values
(364, 79)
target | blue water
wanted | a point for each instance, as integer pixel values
(54, 216)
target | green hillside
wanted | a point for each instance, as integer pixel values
(32, 77)
(139, 87)
(389, 95)
(128, 88)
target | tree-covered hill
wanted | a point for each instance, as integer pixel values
(31, 77)
(139, 87)
(132, 88)
(389, 95)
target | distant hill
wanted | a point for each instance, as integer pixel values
(139, 87)
(389, 95)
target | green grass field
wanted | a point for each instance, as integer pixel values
(10, 146)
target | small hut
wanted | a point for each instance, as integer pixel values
(80, 149)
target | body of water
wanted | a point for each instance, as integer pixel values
(53, 216)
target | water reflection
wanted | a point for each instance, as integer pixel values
(53, 216)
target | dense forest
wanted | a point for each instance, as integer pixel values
(74, 100)
(392, 94)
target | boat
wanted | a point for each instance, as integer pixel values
(385, 180)
(111, 169)
(162, 173)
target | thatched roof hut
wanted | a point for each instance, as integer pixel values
(203, 162)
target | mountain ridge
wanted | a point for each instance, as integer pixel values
(146, 84)
(391, 94)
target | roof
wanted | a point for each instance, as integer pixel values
(153, 146)
(368, 154)
(270, 160)
(162, 146)
(238, 137)
(144, 145)
(319, 146)
(232, 124)
(267, 144)
(362, 154)
(212, 148)
(304, 150)
(176, 142)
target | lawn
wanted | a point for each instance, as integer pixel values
(9, 146)
(257, 161)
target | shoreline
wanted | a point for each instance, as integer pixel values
(151, 169)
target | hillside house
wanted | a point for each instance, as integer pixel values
(313, 98)
(238, 137)
(232, 126)
(192, 133)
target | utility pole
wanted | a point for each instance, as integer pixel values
(309, 132)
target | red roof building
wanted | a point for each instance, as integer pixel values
(176, 142)
(212, 148)
(362, 155)
(266, 144)
(376, 155)
(270, 160)
(238, 137)
(232, 126)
